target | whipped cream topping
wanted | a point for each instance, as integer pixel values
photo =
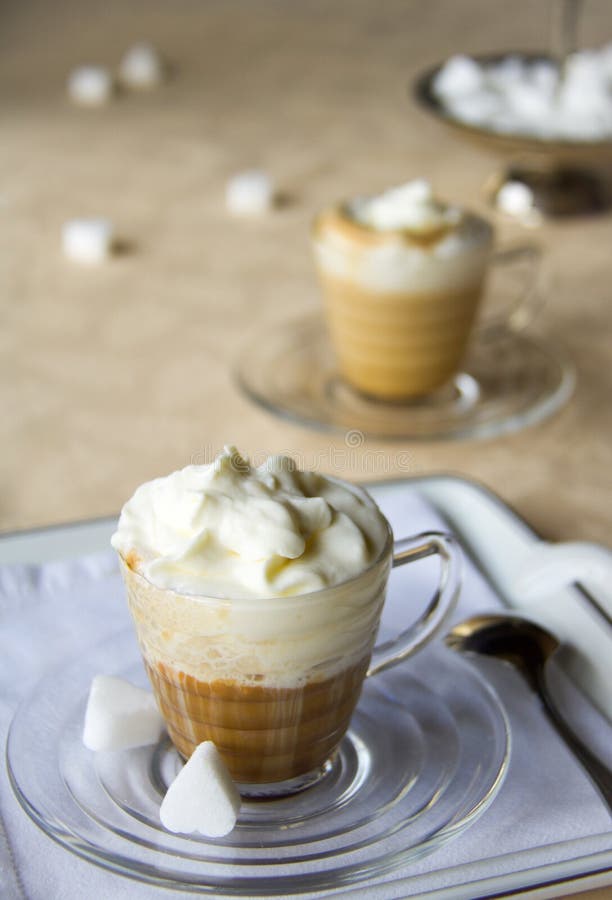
(410, 207)
(231, 530)
(403, 242)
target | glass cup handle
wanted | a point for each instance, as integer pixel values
(530, 296)
(407, 550)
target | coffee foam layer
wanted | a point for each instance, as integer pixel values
(277, 643)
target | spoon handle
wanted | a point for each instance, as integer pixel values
(565, 28)
(599, 773)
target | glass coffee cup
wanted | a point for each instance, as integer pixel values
(273, 682)
(402, 302)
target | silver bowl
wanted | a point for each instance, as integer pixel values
(565, 177)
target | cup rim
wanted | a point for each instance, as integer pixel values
(294, 599)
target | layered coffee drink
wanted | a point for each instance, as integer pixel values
(402, 276)
(256, 595)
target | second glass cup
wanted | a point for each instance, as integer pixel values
(402, 301)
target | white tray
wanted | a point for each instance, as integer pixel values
(497, 539)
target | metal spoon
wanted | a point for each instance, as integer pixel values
(528, 647)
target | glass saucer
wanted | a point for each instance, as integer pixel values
(421, 761)
(509, 381)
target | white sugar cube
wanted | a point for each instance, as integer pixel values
(88, 240)
(527, 101)
(515, 198)
(544, 75)
(120, 715)
(479, 108)
(585, 70)
(578, 127)
(584, 101)
(459, 75)
(90, 85)
(506, 72)
(202, 797)
(141, 67)
(249, 193)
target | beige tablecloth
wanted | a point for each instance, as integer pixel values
(112, 375)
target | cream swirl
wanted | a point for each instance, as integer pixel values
(232, 530)
(411, 206)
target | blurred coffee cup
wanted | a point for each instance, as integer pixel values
(403, 277)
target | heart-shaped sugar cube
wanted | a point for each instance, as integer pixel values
(202, 797)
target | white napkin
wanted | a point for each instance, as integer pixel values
(51, 613)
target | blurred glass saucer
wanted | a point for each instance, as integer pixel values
(562, 177)
(509, 381)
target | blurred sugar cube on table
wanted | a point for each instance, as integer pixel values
(90, 85)
(249, 193)
(141, 67)
(88, 241)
